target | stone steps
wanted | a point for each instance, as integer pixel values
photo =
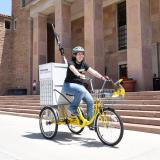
(34, 107)
(20, 114)
(145, 93)
(123, 101)
(28, 97)
(20, 110)
(139, 107)
(154, 114)
(142, 128)
(26, 103)
(20, 100)
(141, 120)
(139, 110)
(148, 97)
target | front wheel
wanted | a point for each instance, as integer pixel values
(109, 127)
(48, 122)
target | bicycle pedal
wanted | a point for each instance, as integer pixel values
(73, 117)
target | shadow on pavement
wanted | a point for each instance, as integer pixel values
(67, 138)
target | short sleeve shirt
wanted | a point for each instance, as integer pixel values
(71, 77)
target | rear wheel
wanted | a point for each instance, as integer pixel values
(48, 122)
(109, 127)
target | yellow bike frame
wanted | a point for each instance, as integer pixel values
(82, 122)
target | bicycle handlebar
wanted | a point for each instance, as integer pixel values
(91, 83)
(117, 83)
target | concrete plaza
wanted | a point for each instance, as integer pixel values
(20, 139)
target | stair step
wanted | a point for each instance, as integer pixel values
(20, 103)
(139, 107)
(20, 100)
(155, 114)
(148, 97)
(32, 97)
(20, 110)
(142, 128)
(20, 114)
(36, 107)
(123, 101)
(141, 120)
(151, 93)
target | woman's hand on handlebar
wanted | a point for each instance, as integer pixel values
(85, 77)
(104, 78)
(82, 76)
(107, 78)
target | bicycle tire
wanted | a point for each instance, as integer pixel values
(107, 122)
(48, 117)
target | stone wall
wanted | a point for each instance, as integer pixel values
(22, 48)
(112, 62)
(77, 32)
(5, 54)
(110, 28)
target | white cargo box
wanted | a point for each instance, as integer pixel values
(51, 77)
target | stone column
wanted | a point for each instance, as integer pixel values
(39, 44)
(30, 55)
(93, 38)
(139, 43)
(63, 27)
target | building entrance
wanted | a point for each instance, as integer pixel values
(50, 44)
(156, 66)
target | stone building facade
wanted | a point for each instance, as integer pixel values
(5, 52)
(121, 38)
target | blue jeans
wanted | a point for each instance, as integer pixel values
(80, 93)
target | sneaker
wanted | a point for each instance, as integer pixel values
(74, 114)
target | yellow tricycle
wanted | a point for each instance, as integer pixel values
(107, 123)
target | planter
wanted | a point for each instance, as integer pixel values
(129, 85)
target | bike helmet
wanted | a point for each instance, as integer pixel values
(77, 49)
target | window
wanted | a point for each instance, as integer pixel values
(122, 26)
(122, 70)
(7, 24)
(23, 3)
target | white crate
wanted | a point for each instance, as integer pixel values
(52, 76)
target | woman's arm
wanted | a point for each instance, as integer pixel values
(96, 74)
(75, 71)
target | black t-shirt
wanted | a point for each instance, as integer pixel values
(71, 77)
